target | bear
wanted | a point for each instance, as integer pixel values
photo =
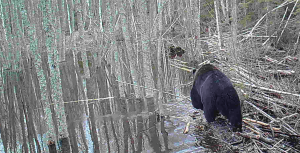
(213, 93)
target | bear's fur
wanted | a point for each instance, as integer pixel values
(213, 93)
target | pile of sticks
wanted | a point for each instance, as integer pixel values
(270, 103)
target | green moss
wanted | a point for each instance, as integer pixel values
(297, 11)
(80, 64)
(246, 96)
(239, 85)
(246, 5)
(246, 19)
(208, 3)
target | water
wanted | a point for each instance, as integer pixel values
(143, 132)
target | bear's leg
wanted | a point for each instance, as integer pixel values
(196, 99)
(229, 106)
(210, 114)
(221, 106)
(210, 109)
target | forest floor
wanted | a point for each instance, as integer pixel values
(269, 92)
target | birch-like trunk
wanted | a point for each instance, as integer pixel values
(159, 58)
(234, 29)
(129, 50)
(216, 4)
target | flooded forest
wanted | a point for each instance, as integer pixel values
(115, 76)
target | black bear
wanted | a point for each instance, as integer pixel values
(213, 93)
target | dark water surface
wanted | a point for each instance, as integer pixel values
(152, 134)
(138, 132)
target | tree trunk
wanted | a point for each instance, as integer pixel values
(234, 30)
(159, 58)
(219, 29)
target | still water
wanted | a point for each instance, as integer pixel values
(136, 131)
(152, 135)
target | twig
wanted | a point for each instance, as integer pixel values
(257, 137)
(257, 146)
(187, 127)
(182, 65)
(262, 112)
(292, 115)
(268, 89)
(77, 101)
(283, 133)
(182, 68)
(179, 61)
(261, 123)
(252, 126)
(288, 127)
(251, 129)
(260, 20)
(272, 100)
(154, 90)
(287, 21)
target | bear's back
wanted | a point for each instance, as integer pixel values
(220, 80)
(209, 76)
(204, 69)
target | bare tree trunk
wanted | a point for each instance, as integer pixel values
(139, 16)
(82, 95)
(152, 5)
(140, 124)
(70, 93)
(104, 104)
(159, 58)
(199, 44)
(9, 84)
(267, 19)
(234, 29)
(129, 51)
(227, 8)
(223, 8)
(3, 126)
(225, 11)
(70, 9)
(216, 3)
(30, 103)
(92, 93)
(21, 111)
(154, 139)
(62, 35)
(46, 71)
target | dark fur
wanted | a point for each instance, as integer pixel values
(213, 93)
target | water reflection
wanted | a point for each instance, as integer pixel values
(140, 130)
(134, 127)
